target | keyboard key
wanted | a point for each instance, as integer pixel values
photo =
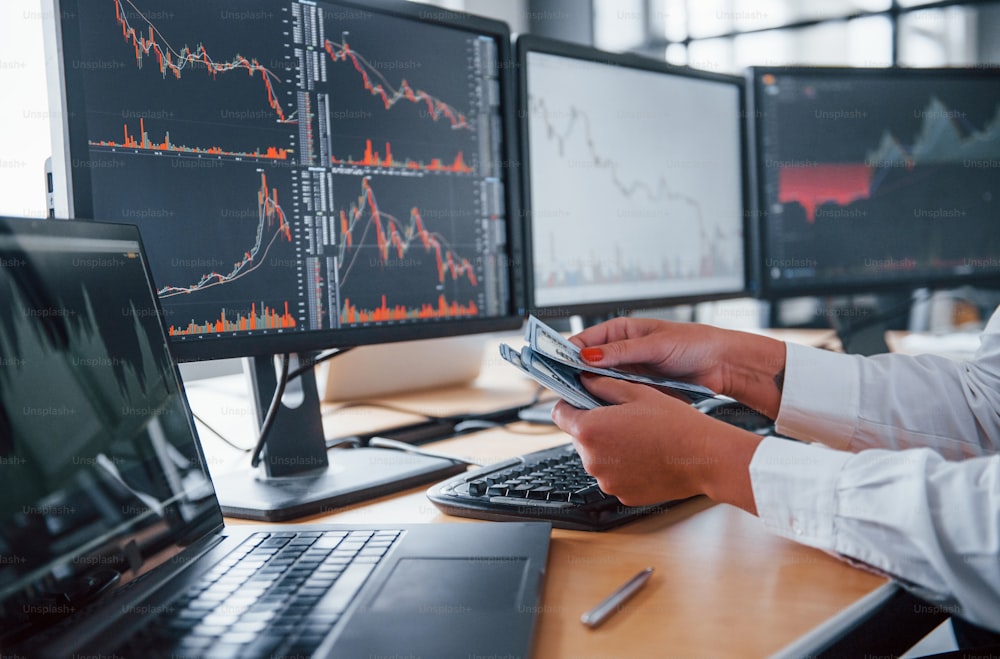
(519, 491)
(541, 492)
(343, 591)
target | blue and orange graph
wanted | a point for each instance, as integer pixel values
(150, 42)
(267, 319)
(351, 315)
(377, 85)
(272, 226)
(144, 143)
(385, 159)
(394, 240)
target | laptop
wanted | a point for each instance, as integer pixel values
(111, 538)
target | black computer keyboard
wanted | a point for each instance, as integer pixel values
(548, 485)
(278, 594)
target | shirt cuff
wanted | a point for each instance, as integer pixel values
(794, 487)
(821, 396)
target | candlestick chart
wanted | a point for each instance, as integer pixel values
(398, 105)
(272, 226)
(227, 240)
(429, 274)
(183, 84)
(148, 41)
(296, 166)
(377, 85)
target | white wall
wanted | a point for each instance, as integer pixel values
(25, 140)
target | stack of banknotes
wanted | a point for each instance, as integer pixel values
(555, 363)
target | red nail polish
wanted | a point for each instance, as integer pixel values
(592, 354)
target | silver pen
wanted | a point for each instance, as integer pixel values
(612, 602)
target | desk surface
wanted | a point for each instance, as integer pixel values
(723, 586)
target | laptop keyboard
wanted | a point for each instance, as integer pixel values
(278, 594)
(548, 485)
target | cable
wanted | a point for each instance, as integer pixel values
(219, 434)
(386, 406)
(353, 442)
(272, 411)
(458, 418)
(534, 429)
(383, 442)
(318, 359)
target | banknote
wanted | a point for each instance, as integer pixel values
(559, 378)
(550, 343)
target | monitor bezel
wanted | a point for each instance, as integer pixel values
(72, 189)
(816, 286)
(527, 44)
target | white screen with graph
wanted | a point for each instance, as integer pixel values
(636, 183)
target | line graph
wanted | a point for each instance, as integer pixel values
(392, 237)
(144, 143)
(377, 85)
(618, 179)
(270, 218)
(150, 42)
(539, 108)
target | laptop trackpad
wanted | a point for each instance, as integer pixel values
(423, 585)
(441, 607)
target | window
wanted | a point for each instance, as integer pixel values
(728, 35)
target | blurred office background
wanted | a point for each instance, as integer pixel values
(728, 35)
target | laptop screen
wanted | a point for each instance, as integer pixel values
(103, 478)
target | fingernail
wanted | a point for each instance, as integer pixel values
(592, 354)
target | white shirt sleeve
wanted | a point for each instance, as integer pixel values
(909, 512)
(933, 525)
(895, 401)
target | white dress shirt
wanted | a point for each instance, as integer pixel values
(912, 488)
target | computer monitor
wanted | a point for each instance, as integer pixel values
(876, 179)
(305, 175)
(635, 184)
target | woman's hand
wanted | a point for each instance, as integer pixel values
(744, 366)
(648, 447)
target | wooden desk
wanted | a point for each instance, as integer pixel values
(723, 586)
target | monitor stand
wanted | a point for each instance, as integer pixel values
(298, 475)
(861, 329)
